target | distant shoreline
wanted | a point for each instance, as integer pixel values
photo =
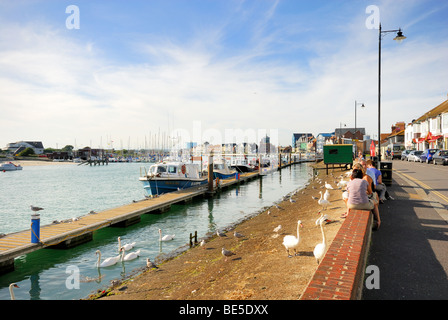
(28, 163)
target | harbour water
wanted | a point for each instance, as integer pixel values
(68, 191)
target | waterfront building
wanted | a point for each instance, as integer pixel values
(19, 146)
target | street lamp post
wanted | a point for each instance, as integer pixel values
(354, 137)
(398, 38)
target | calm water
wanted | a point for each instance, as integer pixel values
(70, 191)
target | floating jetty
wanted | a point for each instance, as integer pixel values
(66, 235)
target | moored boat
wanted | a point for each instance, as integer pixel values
(221, 170)
(169, 176)
(10, 167)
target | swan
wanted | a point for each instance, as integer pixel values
(341, 184)
(166, 237)
(324, 203)
(320, 248)
(11, 290)
(328, 186)
(327, 195)
(107, 262)
(130, 256)
(127, 246)
(291, 242)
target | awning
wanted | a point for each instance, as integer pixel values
(435, 138)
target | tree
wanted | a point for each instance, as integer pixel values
(27, 152)
(68, 148)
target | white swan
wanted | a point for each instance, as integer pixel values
(327, 195)
(320, 248)
(166, 237)
(11, 290)
(107, 262)
(324, 203)
(341, 184)
(127, 246)
(291, 242)
(130, 256)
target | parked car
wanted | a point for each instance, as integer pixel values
(426, 156)
(404, 154)
(440, 157)
(414, 155)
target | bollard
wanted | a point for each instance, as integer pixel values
(35, 228)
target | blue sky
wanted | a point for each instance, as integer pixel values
(136, 67)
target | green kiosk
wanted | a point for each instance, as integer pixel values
(341, 154)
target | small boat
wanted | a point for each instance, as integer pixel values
(242, 164)
(169, 176)
(268, 165)
(221, 170)
(10, 167)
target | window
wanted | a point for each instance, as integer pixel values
(161, 169)
(172, 169)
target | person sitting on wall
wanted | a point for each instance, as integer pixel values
(380, 187)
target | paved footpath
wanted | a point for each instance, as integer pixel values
(411, 247)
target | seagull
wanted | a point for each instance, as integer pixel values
(202, 243)
(150, 264)
(227, 253)
(35, 209)
(278, 207)
(92, 212)
(277, 229)
(238, 235)
(220, 234)
(292, 200)
(314, 198)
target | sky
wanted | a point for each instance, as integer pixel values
(126, 74)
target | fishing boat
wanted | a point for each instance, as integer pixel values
(169, 176)
(10, 167)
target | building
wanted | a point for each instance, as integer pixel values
(350, 133)
(17, 147)
(300, 141)
(323, 139)
(428, 131)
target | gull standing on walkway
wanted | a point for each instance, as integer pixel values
(227, 253)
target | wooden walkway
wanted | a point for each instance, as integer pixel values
(70, 234)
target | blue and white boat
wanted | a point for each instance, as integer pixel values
(221, 170)
(169, 176)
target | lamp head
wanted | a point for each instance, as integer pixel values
(400, 37)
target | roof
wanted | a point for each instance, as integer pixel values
(441, 108)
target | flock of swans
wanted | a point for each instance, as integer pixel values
(291, 242)
(122, 248)
(110, 261)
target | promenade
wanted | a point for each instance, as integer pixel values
(411, 247)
